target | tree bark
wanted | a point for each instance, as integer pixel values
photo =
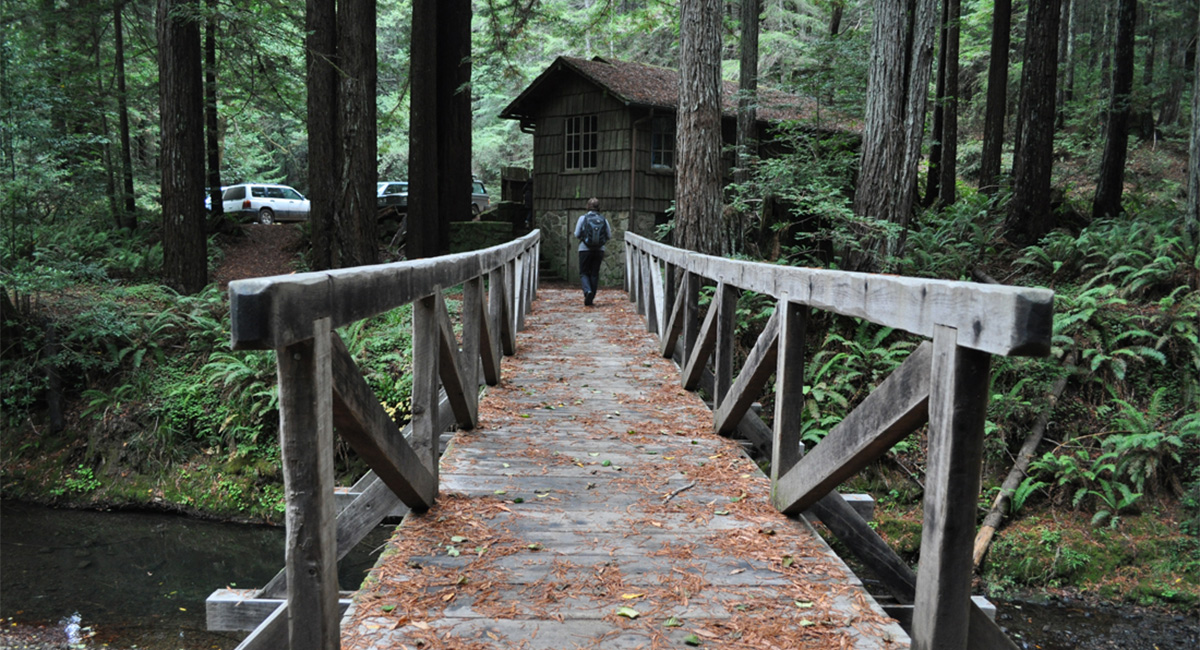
(949, 133)
(127, 203)
(934, 176)
(1111, 184)
(1029, 214)
(185, 246)
(356, 225)
(747, 133)
(997, 98)
(342, 145)
(1193, 210)
(324, 154)
(439, 144)
(423, 212)
(212, 141)
(897, 86)
(698, 133)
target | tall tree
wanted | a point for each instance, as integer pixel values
(126, 202)
(185, 246)
(211, 140)
(997, 97)
(439, 124)
(949, 134)
(1029, 210)
(747, 134)
(341, 128)
(934, 176)
(698, 132)
(1193, 212)
(901, 54)
(1107, 201)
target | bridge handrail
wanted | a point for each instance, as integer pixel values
(943, 383)
(320, 386)
(1000, 319)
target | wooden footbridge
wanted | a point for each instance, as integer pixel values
(591, 499)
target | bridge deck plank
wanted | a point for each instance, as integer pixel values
(592, 483)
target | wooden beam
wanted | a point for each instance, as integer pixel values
(274, 312)
(957, 409)
(787, 445)
(701, 348)
(1014, 321)
(306, 442)
(489, 336)
(726, 338)
(361, 420)
(425, 342)
(239, 610)
(760, 363)
(893, 410)
(473, 324)
(673, 329)
(463, 398)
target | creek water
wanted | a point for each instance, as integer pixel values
(139, 580)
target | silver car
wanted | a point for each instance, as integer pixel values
(265, 203)
(479, 197)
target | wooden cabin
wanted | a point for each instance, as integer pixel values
(606, 128)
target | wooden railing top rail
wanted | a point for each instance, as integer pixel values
(277, 311)
(1006, 320)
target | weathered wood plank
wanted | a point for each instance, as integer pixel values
(723, 352)
(787, 445)
(674, 328)
(425, 359)
(888, 414)
(362, 421)
(701, 348)
(239, 610)
(274, 312)
(462, 396)
(957, 409)
(998, 319)
(760, 363)
(306, 441)
(489, 337)
(473, 322)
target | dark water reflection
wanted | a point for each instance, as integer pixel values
(138, 579)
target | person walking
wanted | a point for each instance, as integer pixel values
(592, 231)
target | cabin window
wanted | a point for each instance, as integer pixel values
(662, 143)
(582, 138)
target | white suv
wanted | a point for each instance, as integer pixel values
(265, 203)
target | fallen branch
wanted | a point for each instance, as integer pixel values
(674, 493)
(983, 539)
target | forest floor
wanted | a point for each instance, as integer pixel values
(259, 251)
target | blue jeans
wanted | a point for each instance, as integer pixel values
(589, 272)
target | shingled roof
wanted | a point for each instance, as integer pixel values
(649, 86)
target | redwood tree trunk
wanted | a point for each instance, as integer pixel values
(1029, 214)
(698, 134)
(949, 134)
(747, 134)
(934, 176)
(324, 154)
(185, 247)
(997, 97)
(356, 225)
(895, 117)
(1110, 186)
(212, 142)
(439, 143)
(127, 201)
(1193, 211)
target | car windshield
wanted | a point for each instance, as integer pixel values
(393, 188)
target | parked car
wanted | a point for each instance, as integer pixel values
(265, 203)
(392, 194)
(479, 197)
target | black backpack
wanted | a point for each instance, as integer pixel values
(595, 230)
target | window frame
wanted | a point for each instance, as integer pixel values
(581, 140)
(662, 142)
